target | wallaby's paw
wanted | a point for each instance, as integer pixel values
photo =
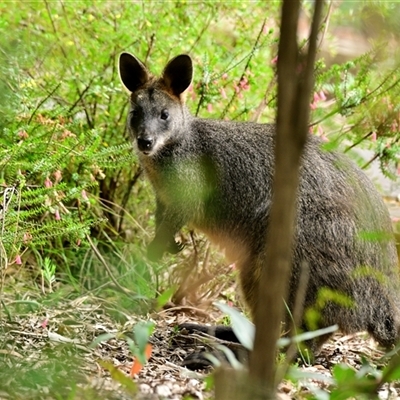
(200, 359)
(197, 361)
(219, 331)
(175, 247)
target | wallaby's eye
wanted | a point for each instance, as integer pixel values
(134, 113)
(164, 115)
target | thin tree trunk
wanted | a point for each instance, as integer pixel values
(295, 83)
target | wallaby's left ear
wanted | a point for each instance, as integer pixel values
(178, 74)
(132, 72)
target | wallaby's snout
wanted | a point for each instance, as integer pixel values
(150, 135)
(145, 144)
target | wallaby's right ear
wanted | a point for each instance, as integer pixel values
(132, 72)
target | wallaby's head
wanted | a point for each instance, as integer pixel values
(157, 115)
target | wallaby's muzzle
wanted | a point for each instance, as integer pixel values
(145, 144)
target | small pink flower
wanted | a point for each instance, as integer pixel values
(209, 107)
(395, 219)
(373, 136)
(224, 76)
(66, 134)
(44, 323)
(316, 97)
(57, 175)
(244, 83)
(23, 134)
(321, 134)
(48, 183)
(84, 195)
(57, 215)
(229, 303)
(223, 93)
(274, 60)
(18, 260)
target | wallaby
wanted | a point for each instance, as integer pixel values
(216, 176)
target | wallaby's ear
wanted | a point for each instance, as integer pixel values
(132, 72)
(178, 74)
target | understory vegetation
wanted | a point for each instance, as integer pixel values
(76, 213)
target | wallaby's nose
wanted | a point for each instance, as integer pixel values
(145, 144)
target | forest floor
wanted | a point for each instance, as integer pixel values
(46, 354)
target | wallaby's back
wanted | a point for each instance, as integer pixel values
(216, 176)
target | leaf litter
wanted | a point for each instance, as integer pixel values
(46, 353)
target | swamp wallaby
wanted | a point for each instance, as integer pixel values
(216, 176)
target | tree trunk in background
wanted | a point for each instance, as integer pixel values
(295, 84)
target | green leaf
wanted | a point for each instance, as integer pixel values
(141, 333)
(118, 376)
(163, 298)
(241, 326)
(392, 371)
(302, 337)
(296, 374)
(230, 357)
(343, 373)
(102, 338)
(209, 382)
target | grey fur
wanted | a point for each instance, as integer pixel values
(216, 176)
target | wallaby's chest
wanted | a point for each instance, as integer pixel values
(183, 182)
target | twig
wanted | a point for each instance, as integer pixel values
(205, 27)
(127, 196)
(42, 102)
(81, 94)
(264, 103)
(55, 30)
(296, 318)
(225, 110)
(110, 274)
(325, 22)
(358, 142)
(149, 48)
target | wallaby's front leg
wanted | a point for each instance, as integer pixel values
(168, 223)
